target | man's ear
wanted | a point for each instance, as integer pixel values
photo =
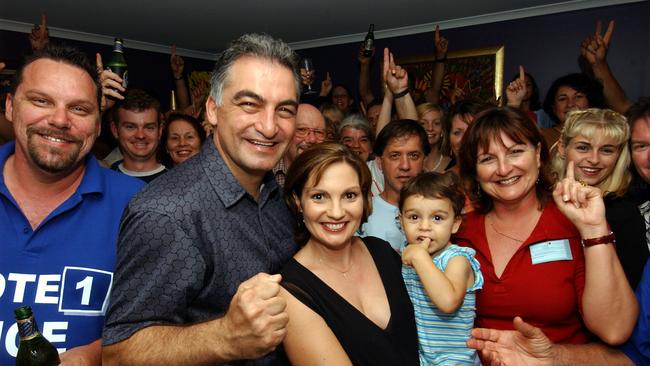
(9, 107)
(114, 129)
(211, 111)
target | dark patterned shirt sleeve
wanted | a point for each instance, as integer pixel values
(159, 270)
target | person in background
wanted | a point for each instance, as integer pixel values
(523, 231)
(596, 141)
(400, 150)
(638, 116)
(183, 137)
(441, 277)
(331, 112)
(310, 130)
(430, 118)
(523, 93)
(354, 132)
(136, 126)
(342, 99)
(459, 117)
(197, 246)
(60, 210)
(568, 92)
(345, 297)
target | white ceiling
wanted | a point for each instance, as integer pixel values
(201, 28)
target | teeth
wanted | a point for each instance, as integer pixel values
(260, 143)
(334, 226)
(53, 139)
(508, 181)
(591, 170)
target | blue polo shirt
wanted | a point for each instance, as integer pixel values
(64, 268)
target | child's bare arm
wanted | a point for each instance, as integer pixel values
(446, 290)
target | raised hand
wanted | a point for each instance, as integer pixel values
(177, 64)
(457, 94)
(40, 35)
(582, 204)
(395, 76)
(363, 59)
(516, 90)
(256, 319)
(111, 84)
(326, 85)
(441, 44)
(526, 345)
(594, 48)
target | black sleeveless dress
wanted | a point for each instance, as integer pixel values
(363, 341)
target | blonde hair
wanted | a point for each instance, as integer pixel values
(613, 125)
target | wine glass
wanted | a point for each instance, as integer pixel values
(308, 65)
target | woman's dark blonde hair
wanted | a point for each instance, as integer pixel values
(485, 130)
(311, 164)
(613, 125)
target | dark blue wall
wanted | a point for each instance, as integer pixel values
(147, 70)
(548, 46)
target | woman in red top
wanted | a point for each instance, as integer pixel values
(527, 238)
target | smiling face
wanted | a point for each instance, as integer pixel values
(357, 141)
(429, 218)
(508, 171)
(138, 133)
(402, 159)
(566, 99)
(431, 121)
(594, 158)
(341, 99)
(310, 130)
(183, 141)
(256, 120)
(332, 208)
(55, 116)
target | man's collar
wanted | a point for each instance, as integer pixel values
(227, 187)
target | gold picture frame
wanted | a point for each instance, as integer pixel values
(477, 72)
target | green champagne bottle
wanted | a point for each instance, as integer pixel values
(117, 63)
(34, 349)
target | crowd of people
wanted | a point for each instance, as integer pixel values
(257, 224)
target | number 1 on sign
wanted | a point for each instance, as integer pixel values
(87, 285)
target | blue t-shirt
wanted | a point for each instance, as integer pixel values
(637, 348)
(64, 268)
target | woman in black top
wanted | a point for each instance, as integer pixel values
(345, 296)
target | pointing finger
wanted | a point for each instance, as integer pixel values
(608, 33)
(522, 73)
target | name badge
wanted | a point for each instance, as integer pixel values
(551, 251)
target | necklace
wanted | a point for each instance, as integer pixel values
(344, 273)
(504, 234)
(438, 163)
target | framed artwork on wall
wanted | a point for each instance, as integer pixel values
(476, 73)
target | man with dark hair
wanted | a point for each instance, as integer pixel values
(59, 211)
(198, 245)
(136, 126)
(400, 149)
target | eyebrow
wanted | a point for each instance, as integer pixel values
(251, 94)
(35, 92)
